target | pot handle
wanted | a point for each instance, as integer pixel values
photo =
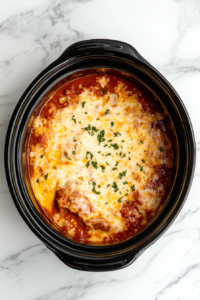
(98, 264)
(100, 46)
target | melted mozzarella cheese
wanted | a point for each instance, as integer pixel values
(106, 145)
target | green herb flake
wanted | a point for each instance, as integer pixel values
(126, 194)
(74, 152)
(108, 185)
(67, 157)
(37, 181)
(115, 146)
(99, 151)
(94, 163)
(116, 164)
(106, 203)
(105, 146)
(129, 158)
(74, 120)
(141, 169)
(122, 141)
(127, 202)
(100, 136)
(122, 174)
(46, 176)
(115, 187)
(112, 124)
(143, 160)
(120, 200)
(110, 141)
(108, 154)
(89, 153)
(141, 141)
(125, 182)
(117, 134)
(133, 187)
(124, 155)
(97, 119)
(83, 104)
(103, 168)
(161, 149)
(86, 112)
(103, 91)
(88, 163)
(107, 163)
(114, 168)
(41, 156)
(107, 112)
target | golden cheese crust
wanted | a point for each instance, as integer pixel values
(100, 159)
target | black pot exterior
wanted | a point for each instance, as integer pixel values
(82, 57)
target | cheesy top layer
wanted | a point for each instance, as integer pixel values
(101, 158)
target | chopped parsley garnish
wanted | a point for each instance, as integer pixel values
(124, 155)
(94, 163)
(110, 141)
(37, 181)
(100, 136)
(91, 155)
(107, 163)
(141, 141)
(144, 188)
(115, 187)
(88, 163)
(161, 149)
(112, 124)
(103, 91)
(125, 182)
(128, 202)
(116, 163)
(108, 154)
(129, 158)
(105, 146)
(41, 156)
(120, 200)
(120, 153)
(74, 120)
(83, 104)
(141, 169)
(143, 160)
(67, 157)
(115, 146)
(122, 174)
(95, 129)
(74, 140)
(117, 134)
(97, 119)
(74, 152)
(107, 112)
(108, 185)
(133, 187)
(94, 190)
(99, 186)
(106, 203)
(45, 176)
(114, 168)
(126, 194)
(99, 151)
(122, 141)
(103, 168)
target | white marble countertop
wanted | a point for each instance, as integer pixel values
(34, 33)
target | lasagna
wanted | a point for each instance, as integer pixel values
(100, 158)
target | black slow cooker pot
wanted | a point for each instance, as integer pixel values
(103, 56)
